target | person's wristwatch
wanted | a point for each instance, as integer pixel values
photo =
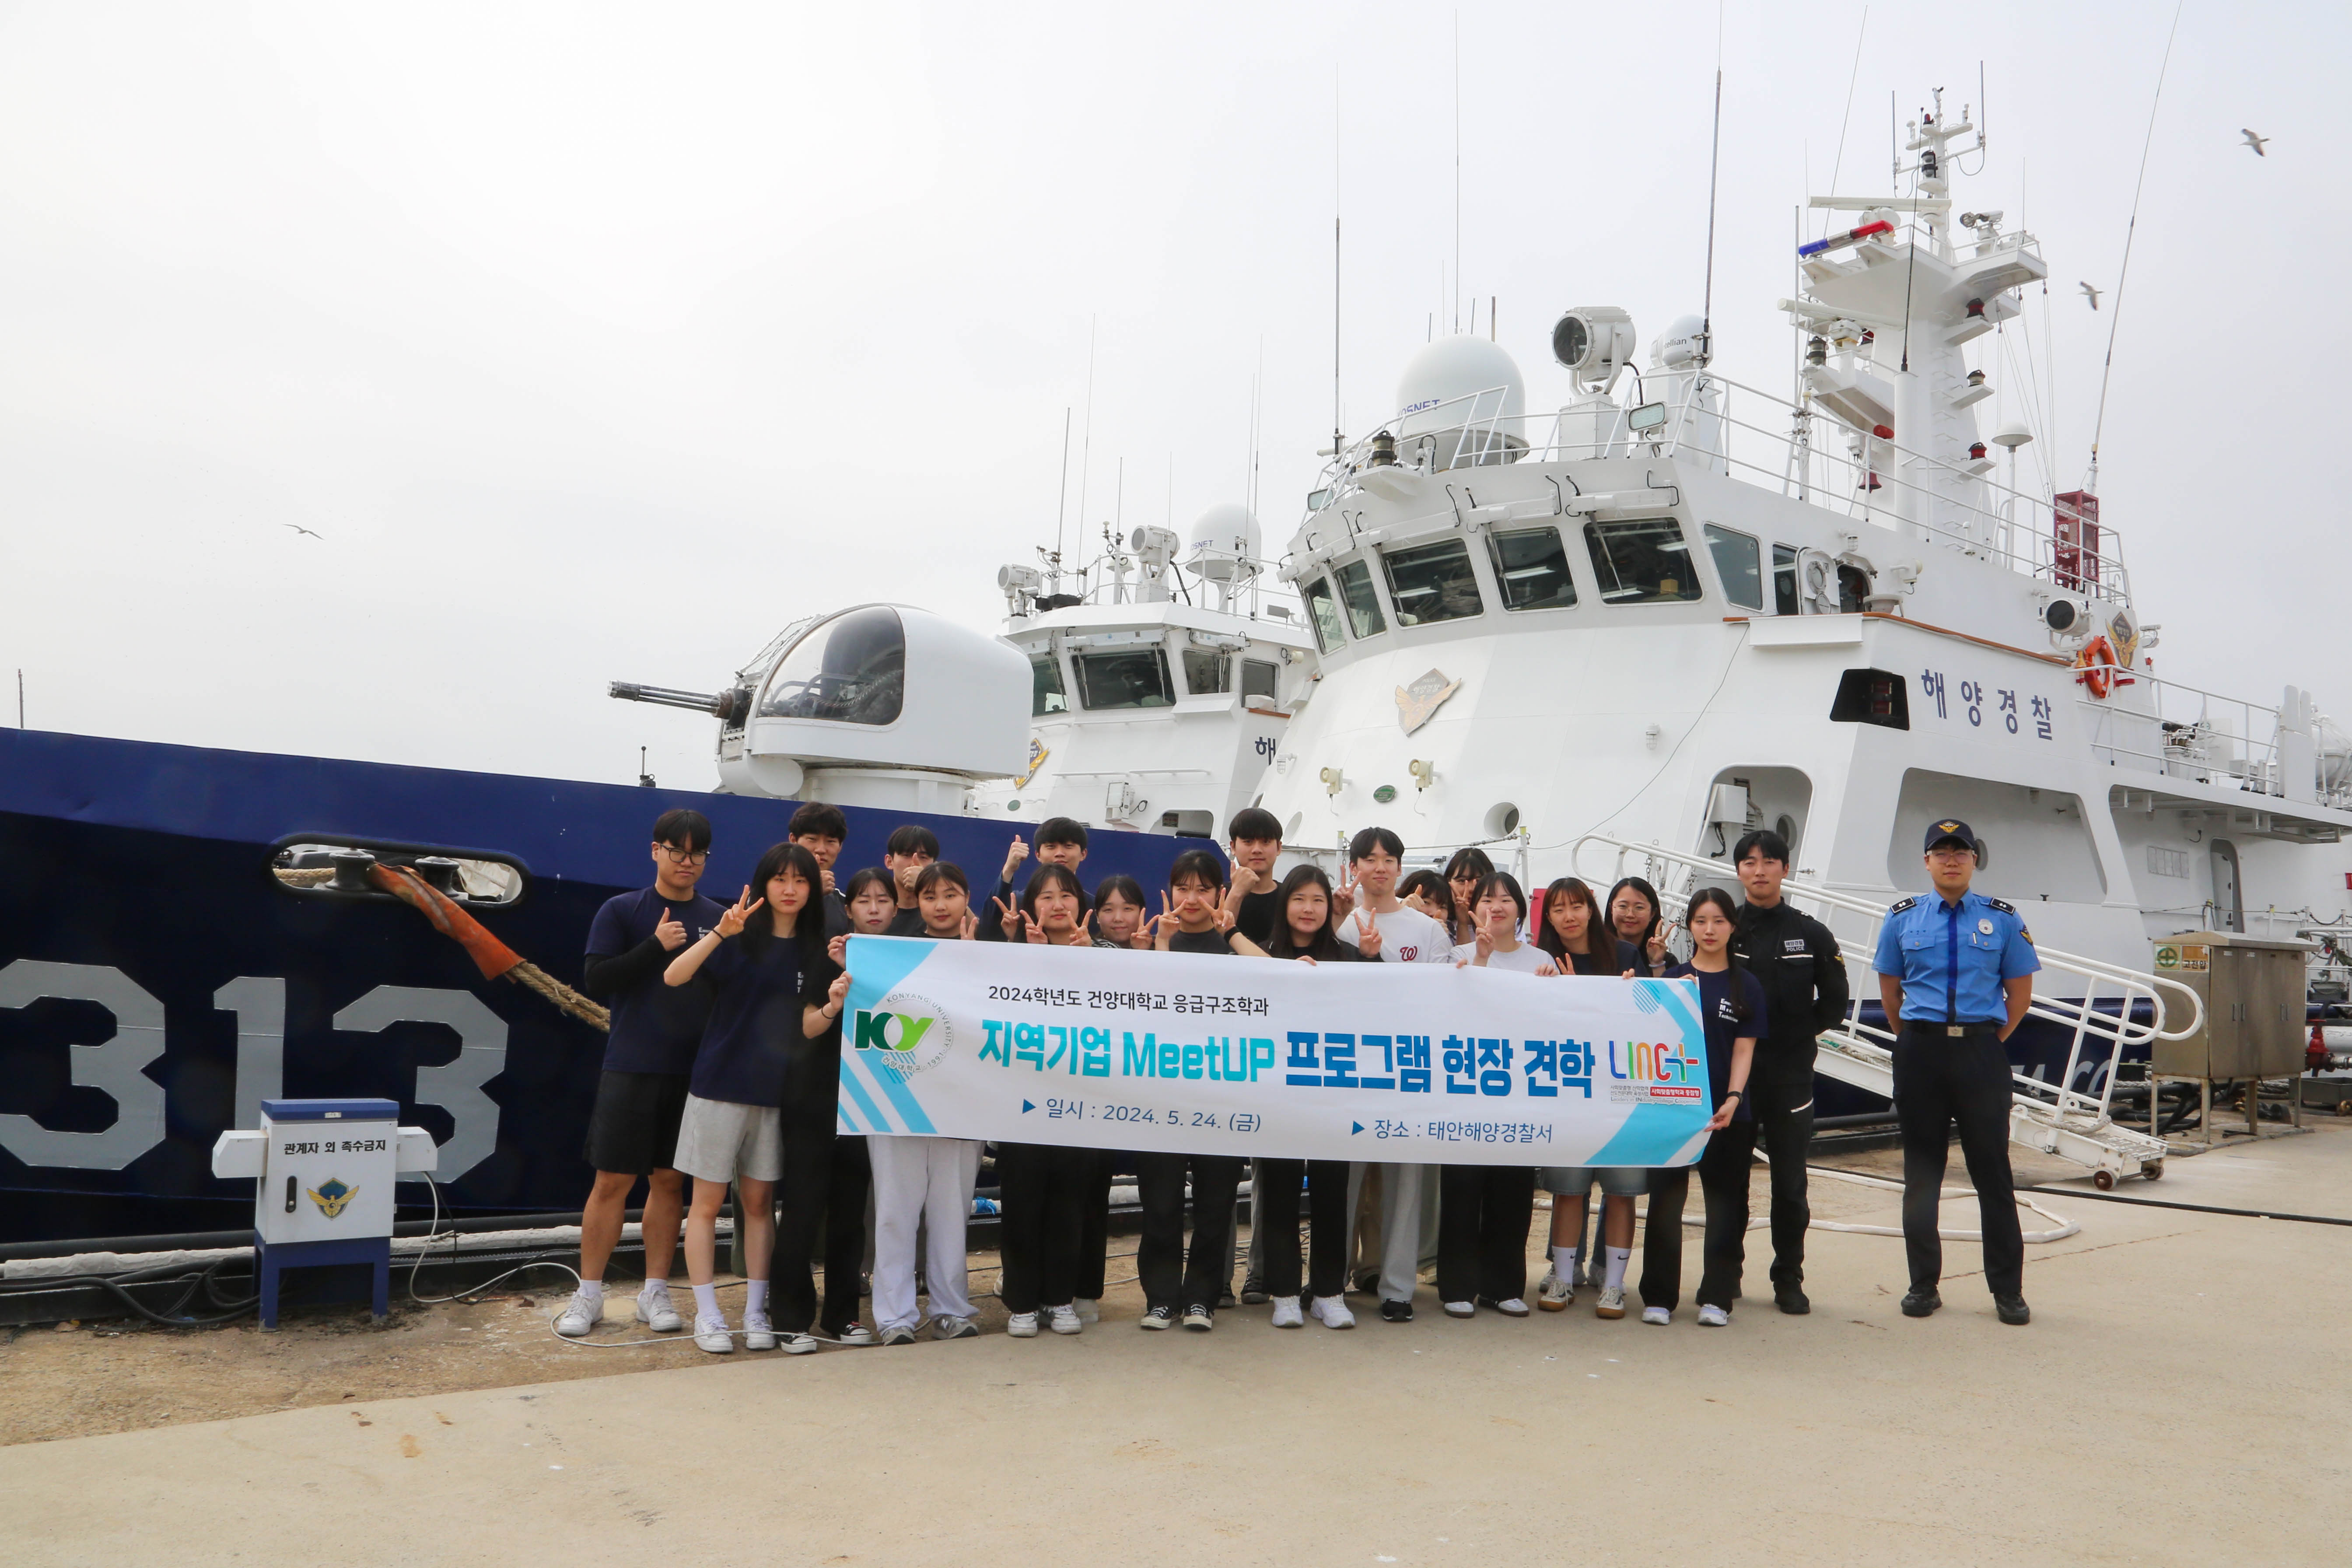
(1740, 1094)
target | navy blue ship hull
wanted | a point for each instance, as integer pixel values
(138, 902)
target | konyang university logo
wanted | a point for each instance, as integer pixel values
(908, 1035)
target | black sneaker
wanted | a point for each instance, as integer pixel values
(1200, 1319)
(1158, 1318)
(1254, 1291)
(1920, 1303)
(1791, 1300)
(1225, 1298)
(1396, 1311)
(2013, 1310)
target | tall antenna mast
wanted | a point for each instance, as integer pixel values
(1087, 439)
(2115, 318)
(1062, 502)
(1714, 162)
(1457, 172)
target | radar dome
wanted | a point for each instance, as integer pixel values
(1226, 530)
(1465, 397)
(1678, 347)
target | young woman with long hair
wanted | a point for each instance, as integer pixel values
(1305, 934)
(1731, 1004)
(1633, 915)
(1464, 873)
(1573, 930)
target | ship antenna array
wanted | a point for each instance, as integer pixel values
(1714, 162)
(2114, 317)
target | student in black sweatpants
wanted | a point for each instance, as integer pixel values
(826, 1177)
(1198, 923)
(1302, 933)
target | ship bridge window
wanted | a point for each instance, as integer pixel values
(1323, 613)
(1784, 580)
(1531, 568)
(1646, 561)
(1128, 678)
(1738, 561)
(1207, 672)
(851, 670)
(1257, 682)
(1045, 692)
(1432, 583)
(1364, 618)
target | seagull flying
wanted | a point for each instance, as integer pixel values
(2092, 294)
(299, 529)
(2255, 142)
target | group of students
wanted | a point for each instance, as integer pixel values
(724, 1054)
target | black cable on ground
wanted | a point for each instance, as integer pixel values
(171, 1317)
(2192, 1208)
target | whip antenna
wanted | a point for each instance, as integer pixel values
(2115, 319)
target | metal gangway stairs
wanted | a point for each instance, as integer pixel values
(2056, 1118)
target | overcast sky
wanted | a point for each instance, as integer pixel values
(598, 342)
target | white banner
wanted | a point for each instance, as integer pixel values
(1209, 1054)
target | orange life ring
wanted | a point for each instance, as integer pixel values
(2096, 665)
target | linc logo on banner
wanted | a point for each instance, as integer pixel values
(1659, 1073)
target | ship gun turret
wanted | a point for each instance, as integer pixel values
(728, 707)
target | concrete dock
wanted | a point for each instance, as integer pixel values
(2179, 1398)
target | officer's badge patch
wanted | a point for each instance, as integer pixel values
(333, 1197)
(1985, 926)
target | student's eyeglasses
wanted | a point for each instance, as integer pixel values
(685, 857)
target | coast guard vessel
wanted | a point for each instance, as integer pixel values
(1613, 637)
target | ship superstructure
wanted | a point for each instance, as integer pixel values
(1681, 606)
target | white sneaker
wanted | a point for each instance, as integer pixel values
(758, 1334)
(1658, 1316)
(580, 1317)
(798, 1344)
(1461, 1309)
(1064, 1321)
(1021, 1325)
(1514, 1307)
(1612, 1303)
(1713, 1317)
(1554, 1293)
(1332, 1312)
(710, 1334)
(1089, 1311)
(655, 1311)
(1287, 1315)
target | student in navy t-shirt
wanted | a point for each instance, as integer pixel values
(761, 959)
(633, 1131)
(1731, 1001)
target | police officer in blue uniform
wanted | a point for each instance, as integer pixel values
(1956, 968)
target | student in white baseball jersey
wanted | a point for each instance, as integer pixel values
(1377, 925)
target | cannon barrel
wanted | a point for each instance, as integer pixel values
(728, 707)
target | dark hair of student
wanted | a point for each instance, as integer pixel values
(1327, 947)
(683, 827)
(1197, 865)
(1722, 899)
(1763, 841)
(1062, 830)
(782, 859)
(1254, 822)
(1599, 954)
(872, 876)
(913, 840)
(1120, 886)
(1371, 840)
(938, 872)
(818, 819)
(1474, 864)
(1642, 942)
(1503, 882)
(1048, 875)
(1433, 892)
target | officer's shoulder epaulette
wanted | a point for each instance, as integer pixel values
(1897, 908)
(2005, 908)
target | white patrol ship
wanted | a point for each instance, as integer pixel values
(1612, 637)
(1163, 680)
